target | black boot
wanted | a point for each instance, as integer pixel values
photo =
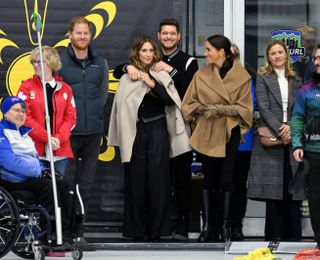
(215, 216)
(205, 234)
(226, 230)
(181, 232)
(236, 228)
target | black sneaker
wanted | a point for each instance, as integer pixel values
(82, 243)
(236, 234)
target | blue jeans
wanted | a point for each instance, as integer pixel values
(60, 165)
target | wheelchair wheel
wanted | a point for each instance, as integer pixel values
(77, 254)
(33, 230)
(39, 253)
(9, 222)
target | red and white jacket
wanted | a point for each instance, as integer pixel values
(64, 114)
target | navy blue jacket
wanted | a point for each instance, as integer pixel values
(89, 82)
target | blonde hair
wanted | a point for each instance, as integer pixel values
(306, 29)
(50, 56)
(268, 68)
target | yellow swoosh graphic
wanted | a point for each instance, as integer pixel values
(98, 21)
(62, 43)
(5, 43)
(110, 9)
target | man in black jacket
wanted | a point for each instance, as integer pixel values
(87, 74)
(181, 67)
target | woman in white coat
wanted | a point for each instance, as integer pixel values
(147, 125)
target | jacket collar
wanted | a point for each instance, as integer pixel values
(9, 125)
(91, 53)
(55, 76)
(172, 54)
(273, 84)
(235, 78)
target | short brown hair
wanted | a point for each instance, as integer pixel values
(169, 21)
(78, 19)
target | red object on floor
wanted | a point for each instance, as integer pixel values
(308, 254)
(56, 254)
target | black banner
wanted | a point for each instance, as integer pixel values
(116, 24)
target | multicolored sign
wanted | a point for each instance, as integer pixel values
(292, 39)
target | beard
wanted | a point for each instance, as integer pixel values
(316, 78)
(80, 45)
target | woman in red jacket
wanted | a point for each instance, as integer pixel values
(61, 108)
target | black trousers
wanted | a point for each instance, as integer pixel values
(42, 189)
(181, 183)
(86, 147)
(283, 216)
(147, 183)
(239, 196)
(313, 184)
(218, 172)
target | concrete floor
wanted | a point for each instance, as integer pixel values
(151, 255)
(183, 251)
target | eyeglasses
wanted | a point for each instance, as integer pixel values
(316, 58)
(34, 62)
(19, 110)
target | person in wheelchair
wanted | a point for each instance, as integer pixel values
(20, 167)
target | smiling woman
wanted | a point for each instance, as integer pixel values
(219, 100)
(276, 89)
(61, 107)
(14, 111)
(144, 116)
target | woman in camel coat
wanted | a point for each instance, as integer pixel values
(219, 103)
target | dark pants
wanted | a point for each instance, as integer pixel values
(42, 189)
(147, 183)
(86, 147)
(218, 172)
(313, 184)
(181, 180)
(283, 216)
(239, 196)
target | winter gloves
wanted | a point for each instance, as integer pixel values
(218, 110)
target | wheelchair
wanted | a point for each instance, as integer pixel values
(25, 227)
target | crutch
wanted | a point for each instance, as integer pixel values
(38, 25)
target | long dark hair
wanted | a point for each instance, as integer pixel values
(136, 47)
(222, 42)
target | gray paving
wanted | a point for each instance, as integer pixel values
(151, 255)
(184, 251)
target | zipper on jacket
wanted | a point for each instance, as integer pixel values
(85, 100)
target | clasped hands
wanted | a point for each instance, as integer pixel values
(55, 142)
(217, 110)
(285, 133)
(135, 74)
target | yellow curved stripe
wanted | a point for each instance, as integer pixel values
(108, 155)
(0, 111)
(5, 43)
(110, 9)
(98, 21)
(2, 32)
(62, 43)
